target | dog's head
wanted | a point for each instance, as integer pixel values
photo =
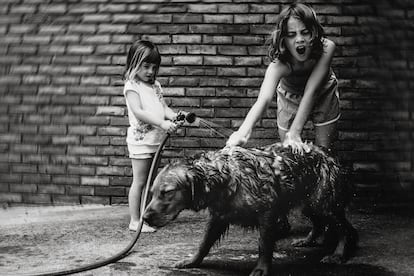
(171, 193)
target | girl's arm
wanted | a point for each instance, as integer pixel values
(145, 116)
(169, 113)
(274, 72)
(307, 102)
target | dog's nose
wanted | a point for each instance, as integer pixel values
(147, 216)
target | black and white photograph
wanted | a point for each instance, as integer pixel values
(206, 137)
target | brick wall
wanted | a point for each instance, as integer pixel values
(63, 118)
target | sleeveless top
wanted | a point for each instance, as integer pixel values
(139, 133)
(296, 81)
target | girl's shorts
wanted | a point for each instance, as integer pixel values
(325, 111)
(136, 152)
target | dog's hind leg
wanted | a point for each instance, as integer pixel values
(215, 229)
(347, 239)
(269, 225)
(314, 233)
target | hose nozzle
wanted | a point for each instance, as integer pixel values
(188, 117)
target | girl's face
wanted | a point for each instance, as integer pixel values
(298, 39)
(147, 72)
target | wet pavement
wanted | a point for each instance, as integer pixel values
(39, 240)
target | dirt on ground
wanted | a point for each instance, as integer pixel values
(39, 240)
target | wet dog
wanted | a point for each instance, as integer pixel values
(256, 188)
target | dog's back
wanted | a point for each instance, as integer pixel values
(314, 175)
(261, 178)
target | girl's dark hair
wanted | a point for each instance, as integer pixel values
(308, 16)
(140, 51)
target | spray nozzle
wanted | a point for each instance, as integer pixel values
(188, 117)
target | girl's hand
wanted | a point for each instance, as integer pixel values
(236, 139)
(168, 126)
(296, 143)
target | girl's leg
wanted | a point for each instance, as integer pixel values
(326, 135)
(140, 170)
(282, 134)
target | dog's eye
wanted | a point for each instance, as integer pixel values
(166, 193)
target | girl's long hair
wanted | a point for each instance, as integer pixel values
(307, 15)
(140, 51)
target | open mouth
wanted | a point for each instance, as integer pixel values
(301, 50)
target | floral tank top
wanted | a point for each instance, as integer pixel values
(141, 134)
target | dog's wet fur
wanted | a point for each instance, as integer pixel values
(257, 188)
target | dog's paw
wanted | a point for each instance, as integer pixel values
(304, 243)
(259, 272)
(333, 259)
(186, 264)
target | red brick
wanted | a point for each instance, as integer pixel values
(82, 130)
(232, 50)
(115, 131)
(11, 197)
(64, 159)
(80, 150)
(112, 8)
(111, 151)
(157, 18)
(91, 140)
(100, 18)
(51, 189)
(95, 200)
(65, 199)
(80, 190)
(110, 110)
(110, 170)
(218, 18)
(217, 39)
(81, 170)
(202, 8)
(112, 28)
(37, 198)
(53, 8)
(95, 181)
(51, 129)
(52, 169)
(218, 60)
(248, 19)
(23, 188)
(93, 160)
(66, 180)
(186, 38)
(233, 8)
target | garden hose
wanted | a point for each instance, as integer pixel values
(190, 118)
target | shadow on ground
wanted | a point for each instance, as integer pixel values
(36, 240)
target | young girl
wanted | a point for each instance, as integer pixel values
(301, 74)
(149, 118)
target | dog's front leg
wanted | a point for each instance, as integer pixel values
(215, 229)
(267, 228)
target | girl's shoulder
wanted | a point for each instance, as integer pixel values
(130, 85)
(137, 85)
(282, 67)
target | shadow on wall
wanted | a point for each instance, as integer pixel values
(385, 119)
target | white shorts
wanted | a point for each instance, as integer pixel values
(136, 152)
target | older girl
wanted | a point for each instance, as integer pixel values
(301, 75)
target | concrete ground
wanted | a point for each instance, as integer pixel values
(39, 240)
